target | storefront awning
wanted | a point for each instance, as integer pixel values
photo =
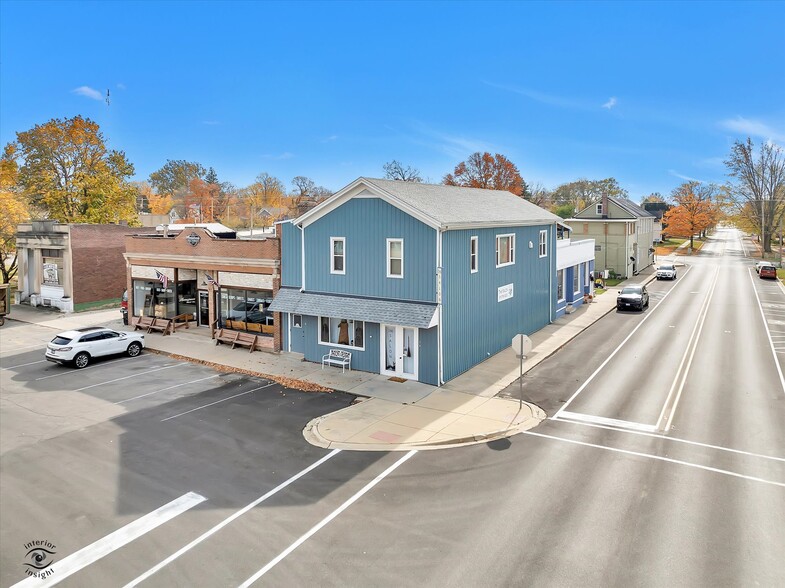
(373, 310)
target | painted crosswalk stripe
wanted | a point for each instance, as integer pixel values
(95, 551)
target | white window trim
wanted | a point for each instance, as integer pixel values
(334, 240)
(512, 249)
(599, 209)
(474, 257)
(294, 323)
(338, 345)
(389, 258)
(576, 277)
(543, 244)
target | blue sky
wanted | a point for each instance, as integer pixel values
(650, 93)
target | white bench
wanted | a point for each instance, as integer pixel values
(338, 357)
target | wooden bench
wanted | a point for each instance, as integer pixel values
(236, 338)
(160, 324)
(142, 322)
(338, 357)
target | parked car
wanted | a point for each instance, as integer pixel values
(767, 270)
(632, 296)
(666, 271)
(124, 307)
(79, 347)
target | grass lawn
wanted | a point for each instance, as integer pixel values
(671, 244)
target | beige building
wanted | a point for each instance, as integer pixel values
(623, 234)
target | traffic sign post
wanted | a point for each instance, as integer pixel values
(522, 346)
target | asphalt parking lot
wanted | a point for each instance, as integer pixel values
(87, 452)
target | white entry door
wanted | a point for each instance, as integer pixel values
(399, 351)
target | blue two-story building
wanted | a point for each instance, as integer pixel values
(417, 281)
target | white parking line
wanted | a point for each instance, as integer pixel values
(768, 333)
(95, 551)
(61, 373)
(13, 367)
(169, 388)
(229, 519)
(216, 402)
(136, 375)
(327, 519)
(657, 457)
(615, 351)
(39, 345)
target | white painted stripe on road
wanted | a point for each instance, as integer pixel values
(13, 367)
(228, 520)
(692, 347)
(768, 333)
(62, 373)
(95, 551)
(136, 375)
(618, 423)
(657, 457)
(216, 402)
(669, 438)
(327, 519)
(615, 351)
(40, 345)
(169, 388)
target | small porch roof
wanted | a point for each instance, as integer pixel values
(373, 310)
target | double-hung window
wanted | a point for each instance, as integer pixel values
(505, 250)
(394, 258)
(337, 255)
(473, 251)
(576, 279)
(599, 209)
(543, 243)
(560, 284)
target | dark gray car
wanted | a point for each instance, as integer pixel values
(632, 297)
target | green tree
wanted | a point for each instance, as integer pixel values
(174, 179)
(582, 192)
(67, 171)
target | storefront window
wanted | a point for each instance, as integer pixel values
(152, 299)
(338, 331)
(53, 266)
(246, 310)
(186, 298)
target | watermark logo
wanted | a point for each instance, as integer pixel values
(39, 558)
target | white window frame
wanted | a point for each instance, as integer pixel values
(390, 258)
(329, 343)
(333, 241)
(560, 282)
(576, 279)
(543, 243)
(297, 324)
(599, 208)
(511, 249)
(474, 254)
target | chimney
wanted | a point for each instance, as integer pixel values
(605, 204)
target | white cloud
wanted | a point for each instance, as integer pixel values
(284, 155)
(610, 103)
(121, 86)
(549, 99)
(753, 128)
(88, 92)
(674, 173)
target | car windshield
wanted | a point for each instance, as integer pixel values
(666, 266)
(631, 290)
(61, 340)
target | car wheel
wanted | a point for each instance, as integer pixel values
(81, 360)
(134, 349)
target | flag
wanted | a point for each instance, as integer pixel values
(211, 280)
(163, 278)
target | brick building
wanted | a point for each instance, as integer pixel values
(71, 266)
(220, 282)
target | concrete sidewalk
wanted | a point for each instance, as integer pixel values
(388, 415)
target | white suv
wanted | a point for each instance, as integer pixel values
(80, 346)
(667, 271)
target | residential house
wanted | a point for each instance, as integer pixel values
(623, 233)
(416, 281)
(574, 270)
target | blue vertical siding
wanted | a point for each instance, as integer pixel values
(366, 224)
(476, 326)
(291, 246)
(366, 361)
(428, 368)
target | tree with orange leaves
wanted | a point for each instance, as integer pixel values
(493, 172)
(694, 211)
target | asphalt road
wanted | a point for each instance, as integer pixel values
(667, 468)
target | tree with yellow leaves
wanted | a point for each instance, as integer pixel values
(13, 210)
(67, 171)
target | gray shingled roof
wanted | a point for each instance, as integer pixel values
(453, 205)
(374, 310)
(630, 206)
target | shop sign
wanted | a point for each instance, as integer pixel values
(50, 274)
(504, 292)
(193, 239)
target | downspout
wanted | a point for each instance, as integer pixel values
(626, 251)
(440, 346)
(302, 258)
